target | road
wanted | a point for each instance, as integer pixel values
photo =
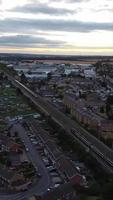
(33, 155)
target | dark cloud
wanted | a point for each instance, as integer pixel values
(28, 41)
(42, 8)
(31, 25)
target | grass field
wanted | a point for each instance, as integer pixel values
(90, 198)
(12, 104)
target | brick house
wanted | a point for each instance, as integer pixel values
(106, 129)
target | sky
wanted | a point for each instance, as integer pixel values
(71, 27)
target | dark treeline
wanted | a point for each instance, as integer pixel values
(20, 57)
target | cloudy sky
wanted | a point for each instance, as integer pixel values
(75, 27)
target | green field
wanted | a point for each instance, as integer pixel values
(12, 104)
(92, 198)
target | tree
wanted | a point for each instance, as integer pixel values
(108, 191)
(8, 163)
(109, 107)
(8, 134)
(63, 75)
(23, 78)
(67, 110)
(94, 189)
(16, 134)
(1, 75)
(29, 72)
(102, 109)
(49, 76)
(18, 91)
(103, 68)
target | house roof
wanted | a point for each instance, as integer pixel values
(76, 180)
(4, 140)
(107, 125)
(15, 146)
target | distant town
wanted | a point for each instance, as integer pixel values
(56, 127)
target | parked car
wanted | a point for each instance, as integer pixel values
(53, 173)
(48, 165)
(34, 142)
(27, 149)
(51, 168)
(39, 175)
(56, 179)
(24, 189)
(56, 185)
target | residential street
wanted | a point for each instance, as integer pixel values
(43, 184)
(44, 181)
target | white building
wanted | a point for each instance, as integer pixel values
(90, 73)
